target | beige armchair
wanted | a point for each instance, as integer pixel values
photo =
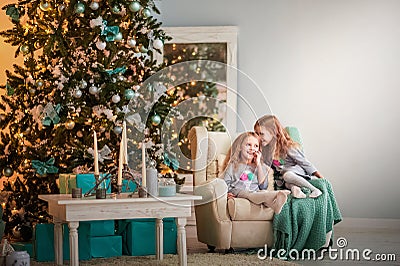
(223, 223)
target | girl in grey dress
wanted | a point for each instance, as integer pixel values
(286, 156)
(246, 174)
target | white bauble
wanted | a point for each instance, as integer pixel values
(101, 45)
(77, 93)
(93, 90)
(94, 5)
(131, 42)
(158, 44)
(116, 98)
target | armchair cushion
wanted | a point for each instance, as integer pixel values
(244, 210)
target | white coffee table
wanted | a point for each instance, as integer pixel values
(64, 208)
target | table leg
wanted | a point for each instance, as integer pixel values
(73, 243)
(58, 241)
(181, 223)
(159, 239)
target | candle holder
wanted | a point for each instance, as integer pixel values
(142, 192)
(99, 180)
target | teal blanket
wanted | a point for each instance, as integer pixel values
(303, 223)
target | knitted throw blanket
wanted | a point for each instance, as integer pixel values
(303, 223)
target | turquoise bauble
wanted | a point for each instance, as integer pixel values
(79, 8)
(156, 120)
(116, 9)
(129, 94)
(146, 12)
(134, 6)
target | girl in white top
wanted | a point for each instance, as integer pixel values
(246, 174)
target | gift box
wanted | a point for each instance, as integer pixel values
(88, 181)
(66, 182)
(43, 244)
(99, 228)
(105, 246)
(139, 236)
(128, 186)
(24, 246)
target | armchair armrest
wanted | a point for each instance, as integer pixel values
(198, 138)
(214, 225)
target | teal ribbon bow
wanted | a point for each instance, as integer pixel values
(109, 31)
(51, 114)
(116, 71)
(173, 163)
(43, 168)
(13, 12)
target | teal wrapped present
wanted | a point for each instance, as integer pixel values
(88, 181)
(100, 228)
(23, 246)
(43, 245)
(105, 246)
(128, 186)
(139, 236)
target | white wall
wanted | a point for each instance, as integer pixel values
(332, 68)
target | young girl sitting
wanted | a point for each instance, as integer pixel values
(280, 151)
(245, 173)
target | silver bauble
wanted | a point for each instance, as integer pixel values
(44, 6)
(94, 5)
(117, 130)
(93, 90)
(156, 120)
(77, 93)
(79, 8)
(146, 12)
(82, 84)
(32, 92)
(116, 98)
(39, 83)
(131, 42)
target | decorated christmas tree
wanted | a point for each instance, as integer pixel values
(85, 63)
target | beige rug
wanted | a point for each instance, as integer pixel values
(193, 259)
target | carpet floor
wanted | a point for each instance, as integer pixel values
(193, 259)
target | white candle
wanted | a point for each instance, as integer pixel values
(125, 143)
(143, 164)
(96, 154)
(120, 162)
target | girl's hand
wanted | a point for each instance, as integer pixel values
(257, 158)
(317, 174)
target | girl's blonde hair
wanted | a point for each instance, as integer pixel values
(233, 157)
(281, 141)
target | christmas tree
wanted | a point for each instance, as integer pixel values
(85, 63)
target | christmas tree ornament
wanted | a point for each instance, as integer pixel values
(24, 49)
(158, 44)
(77, 93)
(94, 5)
(32, 91)
(116, 98)
(116, 9)
(143, 49)
(146, 12)
(93, 90)
(121, 78)
(39, 83)
(117, 130)
(79, 8)
(44, 6)
(101, 45)
(129, 94)
(134, 6)
(131, 42)
(8, 171)
(16, 233)
(155, 120)
(70, 124)
(118, 37)
(61, 8)
(79, 134)
(82, 84)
